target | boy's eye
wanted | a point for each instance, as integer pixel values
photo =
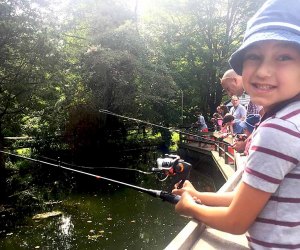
(251, 57)
(284, 58)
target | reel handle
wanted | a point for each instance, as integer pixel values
(180, 185)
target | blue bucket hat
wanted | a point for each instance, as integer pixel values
(250, 122)
(275, 20)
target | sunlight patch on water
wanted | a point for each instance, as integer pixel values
(66, 226)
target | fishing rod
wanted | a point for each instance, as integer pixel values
(160, 126)
(165, 196)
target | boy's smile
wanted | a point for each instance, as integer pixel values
(271, 72)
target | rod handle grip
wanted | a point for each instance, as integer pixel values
(172, 198)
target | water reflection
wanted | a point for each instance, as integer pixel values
(65, 231)
(66, 226)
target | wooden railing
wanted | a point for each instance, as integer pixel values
(222, 146)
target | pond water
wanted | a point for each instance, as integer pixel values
(114, 218)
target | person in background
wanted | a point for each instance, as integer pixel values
(239, 113)
(216, 120)
(222, 110)
(227, 126)
(248, 126)
(266, 203)
(232, 83)
(201, 122)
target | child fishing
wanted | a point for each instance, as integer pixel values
(266, 203)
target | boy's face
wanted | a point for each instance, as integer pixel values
(271, 72)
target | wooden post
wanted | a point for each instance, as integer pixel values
(219, 149)
(226, 157)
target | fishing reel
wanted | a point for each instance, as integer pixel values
(171, 165)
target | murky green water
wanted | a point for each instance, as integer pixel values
(117, 218)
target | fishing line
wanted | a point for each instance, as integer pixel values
(160, 126)
(139, 171)
(98, 168)
(129, 169)
(118, 168)
(165, 196)
(133, 119)
(65, 163)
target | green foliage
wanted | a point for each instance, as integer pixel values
(24, 152)
(175, 141)
(29, 63)
(105, 55)
(195, 39)
(118, 67)
(58, 66)
(102, 54)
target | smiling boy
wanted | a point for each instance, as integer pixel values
(266, 203)
(272, 72)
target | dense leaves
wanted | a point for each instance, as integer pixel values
(63, 61)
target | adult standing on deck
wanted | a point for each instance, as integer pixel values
(239, 112)
(232, 83)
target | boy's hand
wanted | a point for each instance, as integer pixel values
(187, 187)
(239, 146)
(185, 204)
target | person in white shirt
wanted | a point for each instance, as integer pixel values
(239, 112)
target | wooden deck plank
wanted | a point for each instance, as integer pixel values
(226, 169)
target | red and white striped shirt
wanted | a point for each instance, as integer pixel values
(273, 166)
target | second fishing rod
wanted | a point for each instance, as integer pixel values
(204, 139)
